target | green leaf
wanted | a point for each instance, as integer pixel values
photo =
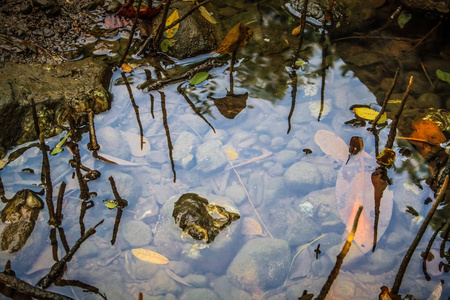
(55, 151)
(110, 203)
(403, 18)
(165, 44)
(444, 76)
(199, 77)
(299, 63)
(60, 144)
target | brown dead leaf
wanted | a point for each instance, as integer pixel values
(427, 131)
(251, 227)
(236, 39)
(150, 256)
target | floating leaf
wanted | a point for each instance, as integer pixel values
(296, 30)
(205, 14)
(150, 256)
(403, 18)
(199, 77)
(355, 146)
(165, 44)
(386, 157)
(111, 203)
(299, 63)
(250, 227)
(332, 145)
(427, 137)
(354, 188)
(126, 68)
(369, 114)
(60, 144)
(169, 33)
(444, 76)
(235, 39)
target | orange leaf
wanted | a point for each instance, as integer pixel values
(296, 30)
(150, 256)
(251, 227)
(428, 131)
(126, 68)
(236, 39)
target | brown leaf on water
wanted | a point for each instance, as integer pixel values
(150, 256)
(430, 133)
(250, 227)
(126, 68)
(356, 145)
(236, 39)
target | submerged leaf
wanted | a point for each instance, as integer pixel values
(199, 77)
(235, 39)
(205, 14)
(444, 76)
(296, 30)
(231, 154)
(369, 114)
(332, 145)
(403, 18)
(150, 256)
(250, 227)
(386, 157)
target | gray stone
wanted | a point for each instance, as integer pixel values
(223, 287)
(143, 270)
(184, 148)
(180, 268)
(158, 157)
(196, 280)
(440, 6)
(195, 294)
(136, 233)
(236, 193)
(48, 32)
(195, 35)
(364, 59)
(429, 100)
(381, 261)
(277, 144)
(210, 156)
(276, 170)
(261, 263)
(285, 157)
(162, 284)
(305, 176)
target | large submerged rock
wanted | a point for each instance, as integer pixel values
(79, 84)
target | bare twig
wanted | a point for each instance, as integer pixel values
(300, 35)
(93, 145)
(340, 258)
(393, 130)
(294, 82)
(423, 228)
(166, 127)
(59, 216)
(57, 269)
(385, 102)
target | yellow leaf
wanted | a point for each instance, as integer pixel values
(296, 30)
(205, 14)
(231, 154)
(369, 114)
(386, 157)
(126, 68)
(235, 39)
(172, 18)
(150, 256)
(251, 227)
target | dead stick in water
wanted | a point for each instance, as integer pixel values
(393, 131)
(93, 138)
(383, 106)
(133, 29)
(412, 248)
(340, 258)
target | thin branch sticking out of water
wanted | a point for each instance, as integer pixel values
(340, 258)
(136, 108)
(93, 145)
(133, 29)
(412, 248)
(385, 102)
(427, 252)
(166, 127)
(152, 105)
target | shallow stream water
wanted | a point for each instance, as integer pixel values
(290, 192)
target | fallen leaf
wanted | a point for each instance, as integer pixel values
(403, 18)
(235, 39)
(250, 227)
(111, 204)
(299, 63)
(199, 77)
(354, 188)
(165, 44)
(386, 157)
(369, 114)
(231, 154)
(296, 30)
(356, 145)
(58, 146)
(127, 10)
(169, 33)
(444, 76)
(205, 14)
(150, 256)
(126, 68)
(332, 145)
(428, 131)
